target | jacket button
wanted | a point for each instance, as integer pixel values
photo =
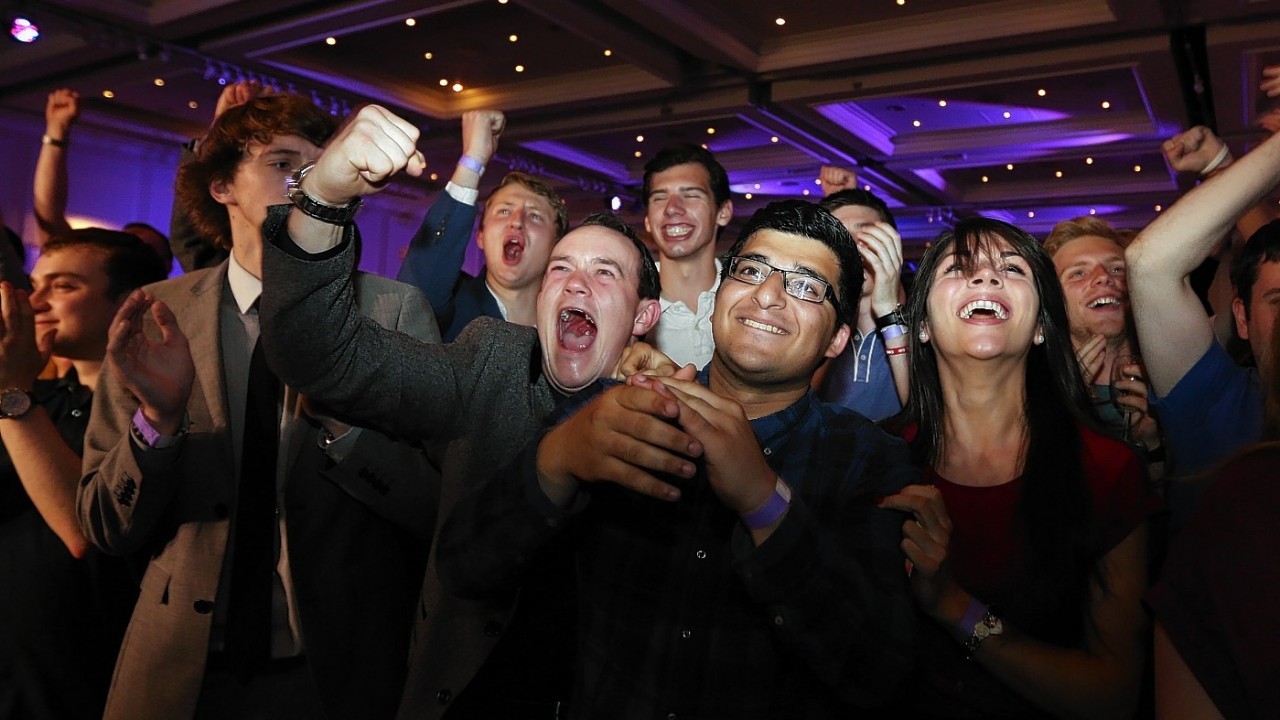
(220, 511)
(444, 696)
(204, 607)
(492, 629)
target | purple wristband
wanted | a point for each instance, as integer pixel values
(893, 331)
(768, 514)
(471, 164)
(972, 616)
(149, 436)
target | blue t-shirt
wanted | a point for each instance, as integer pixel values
(1214, 410)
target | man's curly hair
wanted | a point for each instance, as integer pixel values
(223, 148)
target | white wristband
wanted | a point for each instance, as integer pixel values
(1217, 160)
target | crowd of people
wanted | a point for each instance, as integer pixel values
(618, 478)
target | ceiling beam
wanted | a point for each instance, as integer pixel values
(616, 33)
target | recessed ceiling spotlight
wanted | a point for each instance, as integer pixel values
(1159, 208)
(159, 82)
(747, 196)
(108, 94)
(639, 154)
(410, 22)
(457, 87)
(704, 146)
(193, 104)
(24, 31)
(639, 138)
(428, 56)
(1137, 168)
(1106, 105)
(711, 131)
(1031, 213)
(513, 38)
(902, 2)
(986, 179)
(331, 41)
(519, 68)
(942, 103)
(806, 191)
(773, 138)
(1041, 92)
(916, 123)
(608, 53)
(817, 181)
(1009, 166)
(1058, 174)
(867, 188)
(1088, 161)
(1092, 211)
(435, 176)
(502, 2)
(1007, 114)
(756, 186)
(780, 22)
(444, 82)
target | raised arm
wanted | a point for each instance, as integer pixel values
(50, 191)
(1173, 330)
(434, 259)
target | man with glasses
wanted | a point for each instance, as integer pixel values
(732, 561)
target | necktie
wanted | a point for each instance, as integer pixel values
(254, 559)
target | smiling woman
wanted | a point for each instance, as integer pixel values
(1028, 541)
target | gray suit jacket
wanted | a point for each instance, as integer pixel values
(477, 400)
(174, 503)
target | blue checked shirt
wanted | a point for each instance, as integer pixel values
(681, 615)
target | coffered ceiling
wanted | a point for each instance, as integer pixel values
(1029, 111)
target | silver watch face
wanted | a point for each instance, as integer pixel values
(14, 403)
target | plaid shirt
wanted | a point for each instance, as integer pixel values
(681, 616)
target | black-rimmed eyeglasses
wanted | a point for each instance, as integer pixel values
(798, 284)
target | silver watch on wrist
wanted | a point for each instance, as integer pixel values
(14, 403)
(324, 212)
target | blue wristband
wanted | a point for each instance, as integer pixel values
(892, 331)
(768, 514)
(471, 164)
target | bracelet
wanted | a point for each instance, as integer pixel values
(986, 624)
(895, 351)
(768, 514)
(56, 142)
(893, 331)
(146, 434)
(1217, 160)
(471, 164)
(893, 318)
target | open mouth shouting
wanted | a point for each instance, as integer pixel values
(576, 329)
(513, 249)
(1105, 302)
(983, 309)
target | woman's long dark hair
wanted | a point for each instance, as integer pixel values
(1055, 516)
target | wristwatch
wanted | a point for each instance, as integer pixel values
(894, 317)
(324, 212)
(15, 403)
(989, 626)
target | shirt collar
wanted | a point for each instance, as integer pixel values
(664, 303)
(245, 288)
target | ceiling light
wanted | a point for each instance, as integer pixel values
(916, 123)
(519, 68)
(159, 82)
(444, 82)
(902, 2)
(1092, 211)
(747, 196)
(806, 192)
(1031, 213)
(608, 53)
(1058, 174)
(780, 21)
(1007, 114)
(193, 104)
(756, 186)
(457, 87)
(1159, 208)
(817, 181)
(639, 138)
(1106, 105)
(1137, 168)
(1088, 161)
(502, 2)
(640, 154)
(773, 138)
(867, 188)
(1009, 166)
(331, 41)
(942, 103)
(428, 56)
(410, 22)
(108, 94)
(1041, 92)
(513, 38)
(24, 31)
(986, 179)
(435, 176)
(704, 146)
(615, 203)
